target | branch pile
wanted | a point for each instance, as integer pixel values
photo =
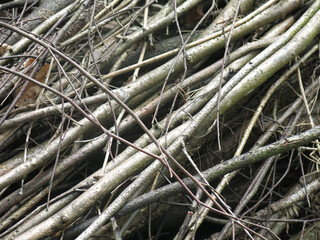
(159, 119)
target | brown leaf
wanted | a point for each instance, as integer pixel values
(32, 91)
(194, 15)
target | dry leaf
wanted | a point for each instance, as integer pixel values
(194, 15)
(32, 91)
